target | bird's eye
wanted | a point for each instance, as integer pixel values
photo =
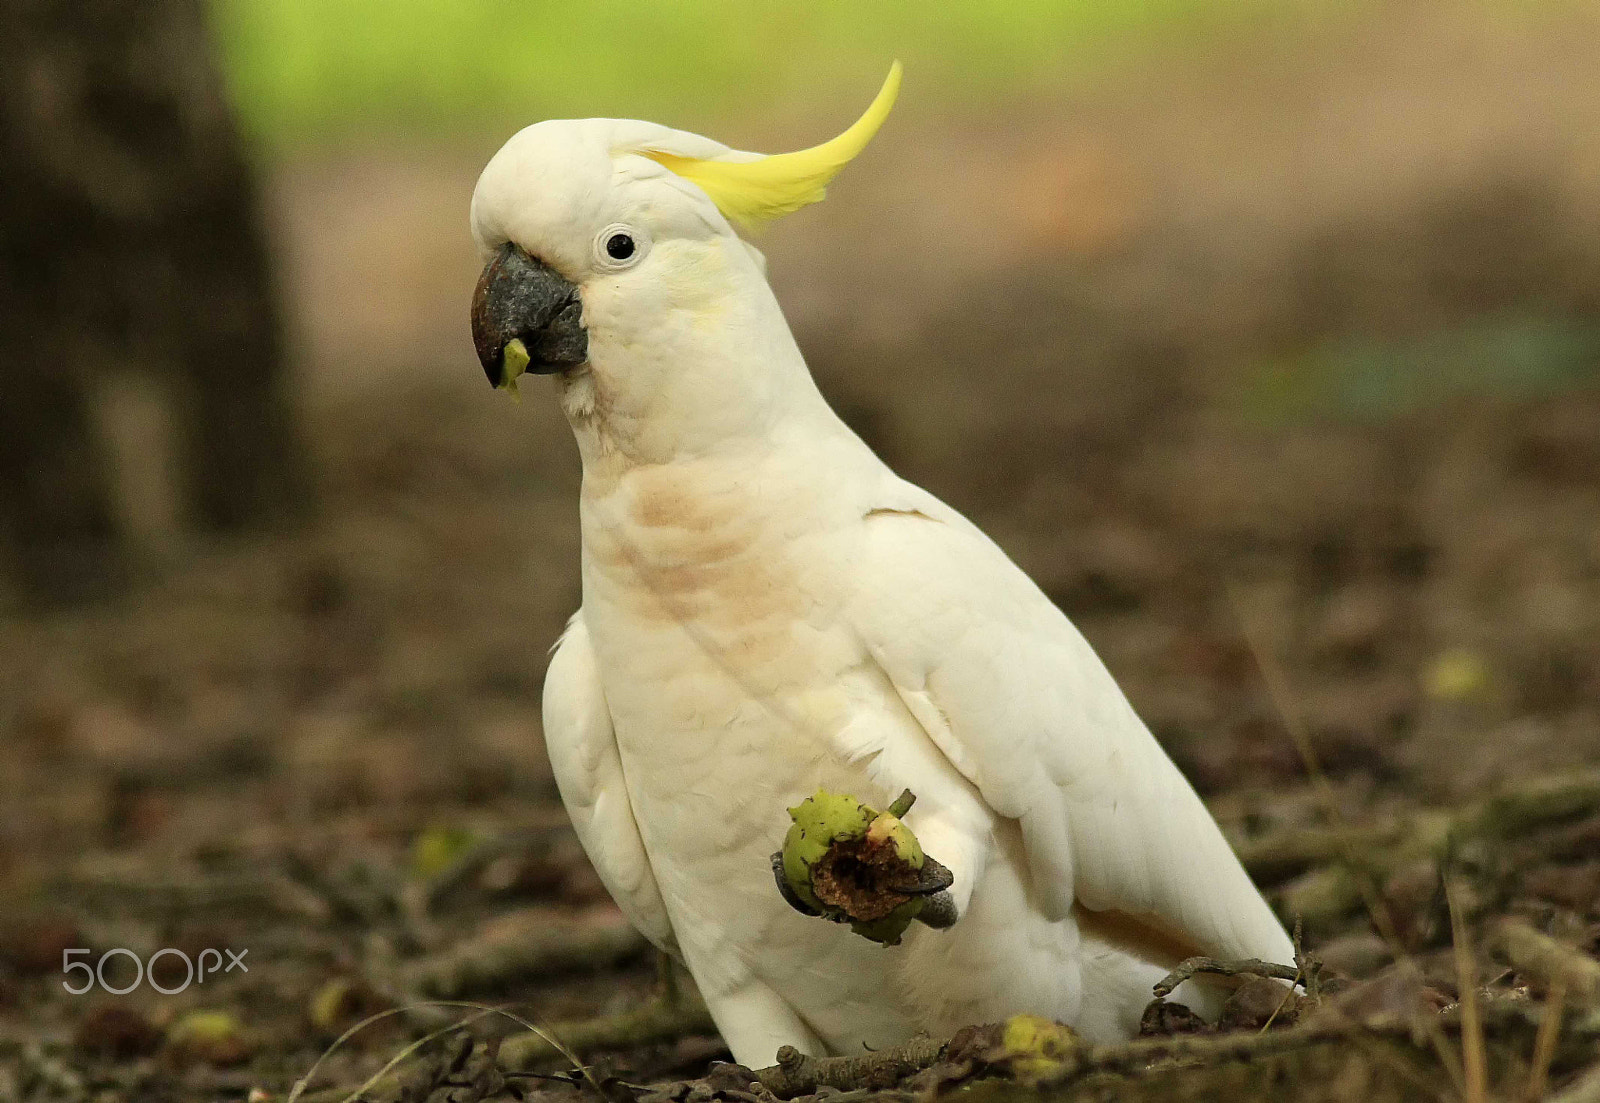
(620, 246)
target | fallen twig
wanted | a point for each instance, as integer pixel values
(1190, 967)
(797, 1074)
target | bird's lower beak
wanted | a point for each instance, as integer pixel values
(525, 317)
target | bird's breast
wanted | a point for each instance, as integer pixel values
(703, 568)
(712, 602)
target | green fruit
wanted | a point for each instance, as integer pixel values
(878, 851)
(819, 822)
(888, 930)
(887, 827)
(1036, 1048)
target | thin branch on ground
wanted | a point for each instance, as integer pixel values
(797, 1074)
(1190, 967)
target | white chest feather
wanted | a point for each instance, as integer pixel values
(728, 675)
(734, 689)
(713, 605)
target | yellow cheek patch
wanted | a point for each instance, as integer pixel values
(753, 192)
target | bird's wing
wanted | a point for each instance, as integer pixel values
(1020, 704)
(588, 769)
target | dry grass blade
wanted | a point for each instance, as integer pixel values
(300, 1085)
(1277, 685)
(1294, 724)
(407, 1051)
(483, 1010)
(555, 1044)
(1276, 1011)
(1301, 974)
(1544, 1043)
(1472, 1040)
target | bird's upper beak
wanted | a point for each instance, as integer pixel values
(526, 317)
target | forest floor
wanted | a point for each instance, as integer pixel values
(1282, 380)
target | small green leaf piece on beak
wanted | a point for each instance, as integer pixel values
(514, 360)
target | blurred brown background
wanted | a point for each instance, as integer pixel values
(1286, 328)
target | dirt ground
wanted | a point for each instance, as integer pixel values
(1280, 372)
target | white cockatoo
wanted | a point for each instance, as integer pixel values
(768, 610)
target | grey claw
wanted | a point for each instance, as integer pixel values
(939, 911)
(793, 901)
(931, 878)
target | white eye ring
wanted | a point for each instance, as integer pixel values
(620, 246)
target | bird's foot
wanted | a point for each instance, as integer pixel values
(849, 863)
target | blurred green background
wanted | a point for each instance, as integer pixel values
(310, 75)
(304, 70)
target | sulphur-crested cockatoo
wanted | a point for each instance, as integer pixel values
(769, 610)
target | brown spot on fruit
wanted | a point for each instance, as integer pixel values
(858, 877)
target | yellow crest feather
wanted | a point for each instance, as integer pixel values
(752, 192)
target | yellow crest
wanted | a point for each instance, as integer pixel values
(752, 192)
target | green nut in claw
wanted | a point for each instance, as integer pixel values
(887, 827)
(820, 821)
(888, 930)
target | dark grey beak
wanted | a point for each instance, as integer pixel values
(521, 298)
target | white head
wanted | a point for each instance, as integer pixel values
(611, 262)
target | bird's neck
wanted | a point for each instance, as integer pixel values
(718, 377)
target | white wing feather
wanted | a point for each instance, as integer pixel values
(1024, 708)
(588, 770)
